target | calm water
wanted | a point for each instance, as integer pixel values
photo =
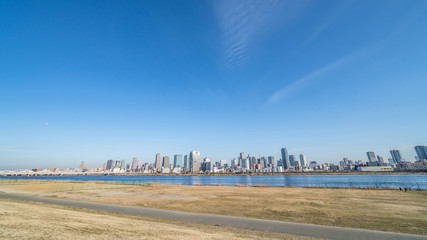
(413, 181)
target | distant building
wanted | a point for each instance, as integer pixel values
(245, 163)
(285, 159)
(292, 160)
(158, 162)
(186, 163)
(380, 159)
(313, 164)
(82, 165)
(396, 155)
(421, 152)
(271, 160)
(134, 164)
(371, 156)
(303, 160)
(234, 162)
(242, 155)
(375, 169)
(166, 161)
(195, 165)
(109, 164)
(177, 161)
(123, 165)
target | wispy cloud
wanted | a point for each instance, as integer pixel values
(304, 81)
(332, 17)
(309, 78)
(241, 21)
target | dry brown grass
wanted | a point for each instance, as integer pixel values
(386, 210)
(27, 220)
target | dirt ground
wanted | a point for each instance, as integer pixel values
(26, 220)
(376, 209)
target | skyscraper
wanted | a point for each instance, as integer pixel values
(122, 165)
(396, 155)
(254, 161)
(380, 159)
(186, 162)
(245, 163)
(271, 160)
(195, 161)
(134, 164)
(234, 162)
(285, 158)
(82, 165)
(166, 161)
(177, 161)
(242, 155)
(303, 160)
(158, 162)
(421, 152)
(371, 156)
(292, 160)
(109, 164)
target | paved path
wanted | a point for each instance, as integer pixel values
(238, 222)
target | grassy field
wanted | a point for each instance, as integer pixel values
(27, 220)
(377, 209)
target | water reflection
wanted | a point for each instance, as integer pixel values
(413, 181)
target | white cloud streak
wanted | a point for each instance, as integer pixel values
(304, 81)
(308, 79)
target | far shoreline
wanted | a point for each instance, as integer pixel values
(209, 174)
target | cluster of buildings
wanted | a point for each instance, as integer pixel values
(192, 163)
(244, 163)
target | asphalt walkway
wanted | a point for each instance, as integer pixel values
(301, 229)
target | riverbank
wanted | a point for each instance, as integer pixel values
(48, 221)
(375, 209)
(206, 174)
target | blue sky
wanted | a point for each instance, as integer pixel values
(98, 80)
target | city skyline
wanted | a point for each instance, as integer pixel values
(184, 160)
(84, 81)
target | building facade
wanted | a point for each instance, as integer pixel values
(285, 159)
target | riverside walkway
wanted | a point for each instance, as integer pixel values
(301, 229)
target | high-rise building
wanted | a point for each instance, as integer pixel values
(109, 164)
(186, 162)
(396, 155)
(254, 161)
(195, 161)
(303, 160)
(245, 163)
(285, 158)
(234, 162)
(271, 160)
(158, 162)
(122, 165)
(134, 164)
(371, 156)
(177, 161)
(82, 165)
(421, 152)
(261, 162)
(292, 160)
(380, 159)
(242, 155)
(166, 161)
